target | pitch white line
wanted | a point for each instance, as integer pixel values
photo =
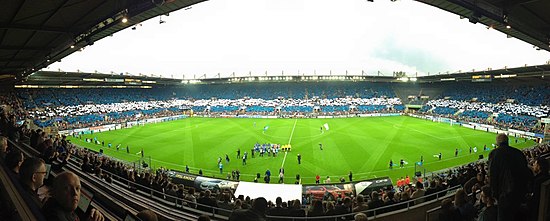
(292, 132)
(289, 139)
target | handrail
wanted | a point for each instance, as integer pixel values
(374, 211)
(151, 192)
(74, 163)
(23, 209)
(30, 151)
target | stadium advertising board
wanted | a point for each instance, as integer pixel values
(182, 178)
(212, 184)
(516, 131)
(269, 191)
(367, 186)
(327, 191)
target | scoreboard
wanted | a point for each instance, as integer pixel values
(482, 78)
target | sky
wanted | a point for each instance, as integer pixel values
(303, 37)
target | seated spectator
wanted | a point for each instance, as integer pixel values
(448, 211)
(375, 201)
(14, 159)
(464, 206)
(418, 193)
(147, 215)
(190, 198)
(32, 173)
(361, 205)
(203, 217)
(360, 217)
(207, 202)
(316, 208)
(278, 210)
(330, 209)
(344, 208)
(65, 197)
(3, 148)
(256, 213)
(540, 168)
(490, 211)
(296, 209)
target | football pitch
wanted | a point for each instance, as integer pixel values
(364, 146)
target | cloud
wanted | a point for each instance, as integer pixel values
(303, 36)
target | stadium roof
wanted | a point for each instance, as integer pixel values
(34, 34)
(534, 74)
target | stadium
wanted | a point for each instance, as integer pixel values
(343, 145)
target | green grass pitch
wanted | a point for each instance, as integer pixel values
(361, 145)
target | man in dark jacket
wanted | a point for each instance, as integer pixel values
(509, 176)
(65, 198)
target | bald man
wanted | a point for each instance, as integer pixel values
(509, 176)
(65, 198)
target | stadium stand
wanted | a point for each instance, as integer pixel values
(100, 173)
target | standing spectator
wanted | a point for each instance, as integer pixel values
(327, 180)
(509, 175)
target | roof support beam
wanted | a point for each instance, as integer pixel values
(34, 28)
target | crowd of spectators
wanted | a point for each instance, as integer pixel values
(481, 195)
(508, 115)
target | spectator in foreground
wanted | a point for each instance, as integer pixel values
(360, 217)
(464, 206)
(540, 168)
(14, 160)
(147, 215)
(256, 213)
(203, 217)
(509, 175)
(3, 148)
(490, 211)
(65, 197)
(32, 173)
